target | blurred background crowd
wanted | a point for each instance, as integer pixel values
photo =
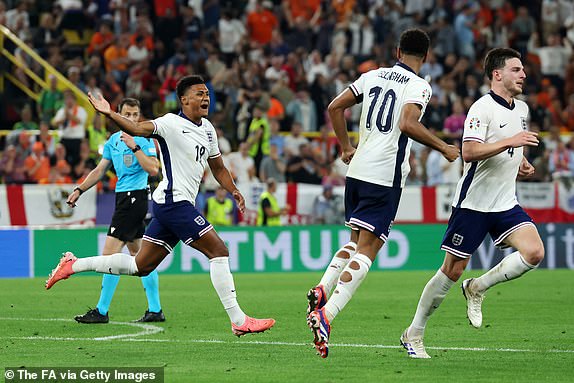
(272, 67)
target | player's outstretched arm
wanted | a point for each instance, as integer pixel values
(336, 111)
(223, 176)
(410, 125)
(477, 151)
(143, 128)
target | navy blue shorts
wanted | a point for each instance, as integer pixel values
(173, 222)
(467, 228)
(370, 206)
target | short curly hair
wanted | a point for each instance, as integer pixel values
(187, 82)
(414, 42)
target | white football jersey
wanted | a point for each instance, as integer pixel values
(382, 155)
(185, 148)
(490, 185)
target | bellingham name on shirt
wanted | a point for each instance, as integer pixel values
(395, 76)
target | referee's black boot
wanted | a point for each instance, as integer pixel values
(152, 317)
(92, 316)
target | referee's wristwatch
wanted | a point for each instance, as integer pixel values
(136, 148)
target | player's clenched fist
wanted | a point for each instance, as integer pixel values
(451, 153)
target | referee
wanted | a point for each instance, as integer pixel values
(133, 159)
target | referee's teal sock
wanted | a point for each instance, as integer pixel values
(151, 287)
(109, 284)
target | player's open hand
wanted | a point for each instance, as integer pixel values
(451, 153)
(99, 103)
(347, 155)
(526, 169)
(239, 200)
(524, 138)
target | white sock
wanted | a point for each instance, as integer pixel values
(222, 281)
(337, 265)
(117, 263)
(345, 290)
(511, 267)
(432, 296)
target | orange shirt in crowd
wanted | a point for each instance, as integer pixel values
(304, 8)
(276, 109)
(115, 52)
(100, 38)
(260, 26)
(343, 8)
(43, 172)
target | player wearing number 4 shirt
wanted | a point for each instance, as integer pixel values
(495, 132)
(393, 102)
(188, 143)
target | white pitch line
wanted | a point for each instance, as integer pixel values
(150, 330)
(147, 329)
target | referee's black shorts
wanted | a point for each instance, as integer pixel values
(128, 220)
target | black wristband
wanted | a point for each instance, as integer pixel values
(136, 148)
(78, 189)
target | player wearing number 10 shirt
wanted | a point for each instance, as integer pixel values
(393, 102)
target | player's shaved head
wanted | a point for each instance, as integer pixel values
(496, 59)
(414, 42)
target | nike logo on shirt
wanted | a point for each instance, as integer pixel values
(185, 131)
(503, 125)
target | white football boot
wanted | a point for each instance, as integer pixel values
(473, 303)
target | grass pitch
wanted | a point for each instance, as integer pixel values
(527, 334)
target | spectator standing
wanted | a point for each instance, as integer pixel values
(219, 208)
(50, 101)
(71, 121)
(268, 212)
(302, 110)
(328, 208)
(260, 24)
(258, 139)
(272, 166)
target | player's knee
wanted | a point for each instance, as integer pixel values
(534, 255)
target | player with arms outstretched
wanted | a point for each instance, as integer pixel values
(187, 143)
(495, 132)
(133, 158)
(394, 100)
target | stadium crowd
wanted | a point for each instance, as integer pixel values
(272, 67)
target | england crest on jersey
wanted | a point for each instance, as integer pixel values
(457, 239)
(523, 123)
